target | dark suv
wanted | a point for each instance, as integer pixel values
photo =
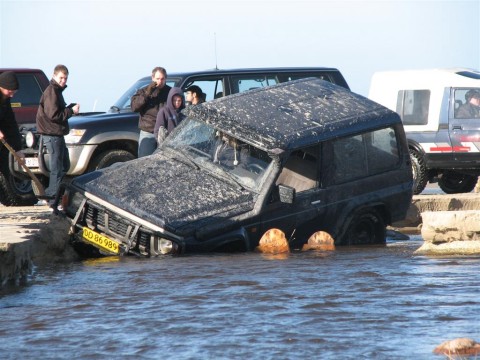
(97, 141)
(304, 156)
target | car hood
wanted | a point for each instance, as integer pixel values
(168, 193)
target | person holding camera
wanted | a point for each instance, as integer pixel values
(147, 101)
(52, 124)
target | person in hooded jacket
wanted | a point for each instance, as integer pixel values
(8, 125)
(170, 115)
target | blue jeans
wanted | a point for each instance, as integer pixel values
(59, 161)
(146, 143)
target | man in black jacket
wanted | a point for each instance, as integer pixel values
(147, 102)
(8, 125)
(52, 124)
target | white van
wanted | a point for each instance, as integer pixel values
(443, 146)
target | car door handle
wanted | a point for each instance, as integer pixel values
(457, 127)
(316, 202)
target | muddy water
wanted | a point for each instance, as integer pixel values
(355, 303)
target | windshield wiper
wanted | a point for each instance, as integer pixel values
(229, 176)
(186, 157)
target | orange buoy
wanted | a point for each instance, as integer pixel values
(320, 240)
(273, 242)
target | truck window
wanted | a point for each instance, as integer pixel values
(250, 82)
(213, 88)
(29, 91)
(300, 170)
(412, 106)
(467, 111)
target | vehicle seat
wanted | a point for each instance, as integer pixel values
(218, 95)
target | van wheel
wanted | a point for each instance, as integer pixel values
(453, 182)
(366, 227)
(419, 172)
(110, 157)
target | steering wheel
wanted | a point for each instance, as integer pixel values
(255, 168)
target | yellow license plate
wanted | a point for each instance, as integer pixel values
(101, 241)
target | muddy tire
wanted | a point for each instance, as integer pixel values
(419, 172)
(14, 191)
(110, 157)
(366, 227)
(452, 182)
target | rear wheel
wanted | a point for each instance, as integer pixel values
(452, 182)
(419, 172)
(366, 227)
(110, 157)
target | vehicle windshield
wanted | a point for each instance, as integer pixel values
(217, 152)
(124, 103)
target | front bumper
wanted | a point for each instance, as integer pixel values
(113, 231)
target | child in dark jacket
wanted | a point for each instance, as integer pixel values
(170, 115)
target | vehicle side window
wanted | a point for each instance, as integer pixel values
(213, 88)
(29, 91)
(250, 82)
(306, 75)
(412, 106)
(365, 154)
(301, 169)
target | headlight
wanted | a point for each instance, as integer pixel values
(30, 139)
(74, 136)
(166, 246)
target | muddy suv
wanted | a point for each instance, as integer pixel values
(13, 190)
(443, 142)
(97, 141)
(302, 157)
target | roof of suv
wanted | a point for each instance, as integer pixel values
(293, 114)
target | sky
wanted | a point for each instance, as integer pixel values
(108, 45)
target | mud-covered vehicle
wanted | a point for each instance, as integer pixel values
(301, 156)
(97, 141)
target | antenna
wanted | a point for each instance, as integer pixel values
(215, 44)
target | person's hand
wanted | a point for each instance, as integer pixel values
(21, 157)
(151, 88)
(76, 109)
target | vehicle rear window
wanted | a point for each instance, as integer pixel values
(29, 91)
(412, 106)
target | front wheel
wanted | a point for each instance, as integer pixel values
(452, 182)
(15, 191)
(110, 157)
(366, 227)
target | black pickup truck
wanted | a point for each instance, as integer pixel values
(98, 141)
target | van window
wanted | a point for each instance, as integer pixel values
(249, 82)
(365, 154)
(29, 91)
(412, 106)
(467, 112)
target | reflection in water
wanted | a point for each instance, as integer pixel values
(378, 302)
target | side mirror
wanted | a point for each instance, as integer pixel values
(287, 194)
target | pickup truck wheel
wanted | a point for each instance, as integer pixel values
(419, 172)
(14, 191)
(110, 157)
(452, 182)
(366, 227)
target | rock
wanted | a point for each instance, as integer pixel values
(273, 242)
(460, 346)
(448, 226)
(320, 240)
